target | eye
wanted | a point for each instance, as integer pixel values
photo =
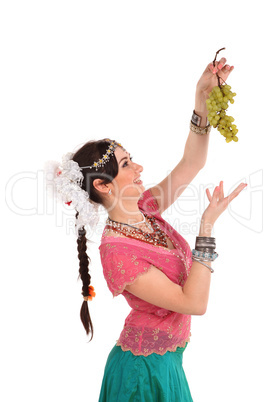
(126, 163)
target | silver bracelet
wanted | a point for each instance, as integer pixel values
(201, 262)
(203, 255)
(196, 120)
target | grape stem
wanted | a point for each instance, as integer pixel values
(219, 84)
(219, 80)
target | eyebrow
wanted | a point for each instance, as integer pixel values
(123, 158)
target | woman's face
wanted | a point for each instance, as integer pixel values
(128, 172)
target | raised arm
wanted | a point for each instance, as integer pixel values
(196, 148)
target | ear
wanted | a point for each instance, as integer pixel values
(98, 184)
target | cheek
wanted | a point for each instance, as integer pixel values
(127, 180)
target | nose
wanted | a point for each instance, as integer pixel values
(138, 167)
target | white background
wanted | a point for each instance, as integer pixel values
(72, 71)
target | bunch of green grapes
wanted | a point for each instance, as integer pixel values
(217, 104)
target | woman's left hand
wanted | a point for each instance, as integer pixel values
(209, 78)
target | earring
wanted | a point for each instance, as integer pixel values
(110, 192)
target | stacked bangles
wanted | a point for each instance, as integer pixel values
(204, 250)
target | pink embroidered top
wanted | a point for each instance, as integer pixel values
(148, 328)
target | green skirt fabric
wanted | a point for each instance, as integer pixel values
(154, 378)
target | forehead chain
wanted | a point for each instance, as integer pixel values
(106, 157)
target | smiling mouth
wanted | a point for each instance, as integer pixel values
(138, 182)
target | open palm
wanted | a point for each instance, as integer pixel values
(219, 203)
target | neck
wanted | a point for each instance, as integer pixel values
(129, 217)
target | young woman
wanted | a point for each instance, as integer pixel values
(144, 258)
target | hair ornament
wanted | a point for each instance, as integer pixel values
(63, 183)
(106, 157)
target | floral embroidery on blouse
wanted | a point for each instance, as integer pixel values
(148, 328)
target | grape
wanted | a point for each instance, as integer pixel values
(217, 104)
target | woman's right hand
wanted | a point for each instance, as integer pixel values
(218, 205)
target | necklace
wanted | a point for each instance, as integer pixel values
(140, 234)
(147, 237)
(132, 226)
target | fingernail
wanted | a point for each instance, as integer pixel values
(214, 71)
(220, 66)
(228, 67)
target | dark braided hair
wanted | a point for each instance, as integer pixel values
(89, 153)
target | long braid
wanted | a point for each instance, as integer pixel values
(85, 277)
(86, 155)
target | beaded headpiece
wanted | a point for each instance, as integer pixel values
(106, 157)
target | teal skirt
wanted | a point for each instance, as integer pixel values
(154, 378)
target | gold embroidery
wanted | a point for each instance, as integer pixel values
(169, 329)
(134, 257)
(120, 265)
(125, 271)
(109, 246)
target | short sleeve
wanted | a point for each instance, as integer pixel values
(121, 269)
(148, 203)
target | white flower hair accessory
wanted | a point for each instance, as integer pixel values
(63, 182)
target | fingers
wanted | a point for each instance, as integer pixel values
(218, 194)
(208, 194)
(227, 69)
(221, 63)
(221, 193)
(215, 196)
(235, 192)
(220, 66)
